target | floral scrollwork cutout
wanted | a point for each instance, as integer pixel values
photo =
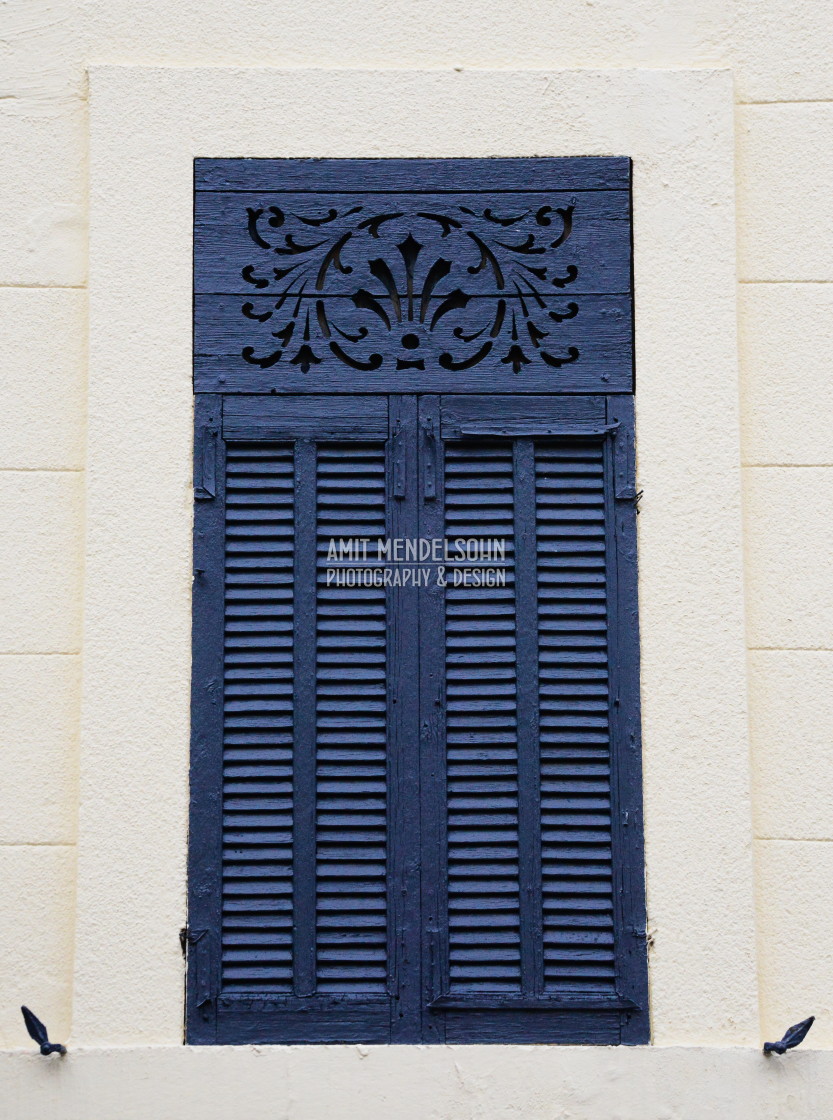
(409, 288)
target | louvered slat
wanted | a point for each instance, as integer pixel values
(481, 733)
(574, 717)
(351, 728)
(257, 739)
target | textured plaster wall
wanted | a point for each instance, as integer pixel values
(782, 68)
(41, 514)
(418, 1083)
(147, 125)
(786, 335)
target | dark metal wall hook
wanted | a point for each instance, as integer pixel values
(792, 1037)
(37, 1031)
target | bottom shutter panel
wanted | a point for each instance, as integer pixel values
(485, 716)
(300, 951)
(530, 923)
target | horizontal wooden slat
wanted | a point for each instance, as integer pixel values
(259, 418)
(532, 413)
(387, 175)
(596, 347)
(236, 257)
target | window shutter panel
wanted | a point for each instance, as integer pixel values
(297, 945)
(533, 942)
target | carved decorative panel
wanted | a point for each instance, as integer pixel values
(413, 275)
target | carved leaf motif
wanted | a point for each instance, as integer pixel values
(410, 301)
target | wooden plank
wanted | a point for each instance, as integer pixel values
(218, 375)
(319, 1020)
(529, 763)
(405, 932)
(553, 242)
(304, 736)
(321, 1001)
(269, 418)
(431, 286)
(522, 428)
(624, 451)
(432, 730)
(626, 741)
(236, 354)
(519, 414)
(206, 774)
(228, 322)
(592, 1028)
(571, 173)
(540, 1003)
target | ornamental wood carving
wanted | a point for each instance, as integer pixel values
(336, 287)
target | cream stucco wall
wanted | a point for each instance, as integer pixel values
(418, 1083)
(678, 127)
(782, 74)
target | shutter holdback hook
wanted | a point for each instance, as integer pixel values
(37, 1031)
(793, 1036)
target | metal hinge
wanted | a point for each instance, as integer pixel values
(205, 463)
(429, 468)
(196, 944)
(398, 454)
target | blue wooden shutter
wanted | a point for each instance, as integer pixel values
(415, 813)
(534, 938)
(413, 276)
(293, 912)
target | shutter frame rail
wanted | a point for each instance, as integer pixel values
(539, 1003)
(521, 429)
